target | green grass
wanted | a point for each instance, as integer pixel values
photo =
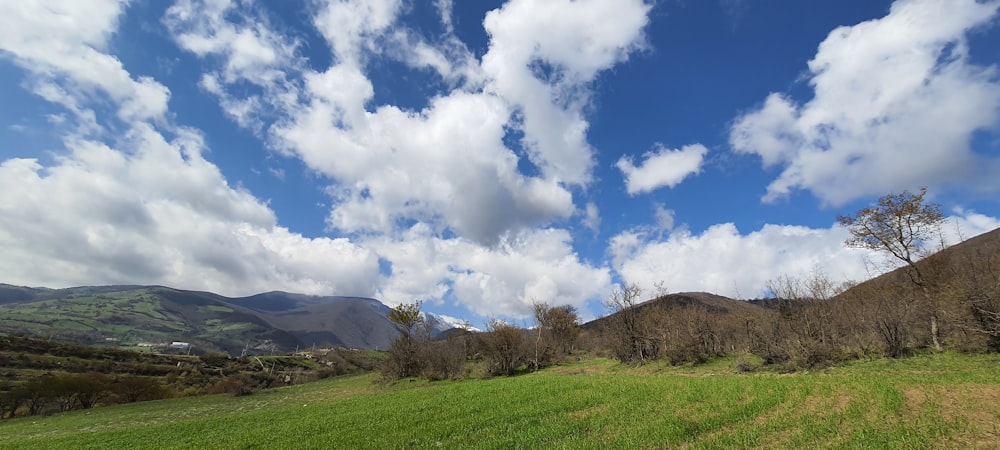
(929, 401)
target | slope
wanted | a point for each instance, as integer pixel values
(136, 314)
(714, 304)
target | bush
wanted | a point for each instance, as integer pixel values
(745, 364)
(504, 347)
(240, 385)
(443, 360)
(403, 360)
(130, 389)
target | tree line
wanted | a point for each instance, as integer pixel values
(39, 377)
(942, 300)
(502, 349)
(935, 301)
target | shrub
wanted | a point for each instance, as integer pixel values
(443, 360)
(745, 364)
(504, 347)
(403, 360)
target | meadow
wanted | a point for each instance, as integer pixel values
(931, 401)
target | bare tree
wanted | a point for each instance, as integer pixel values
(540, 310)
(628, 339)
(900, 225)
(504, 348)
(563, 324)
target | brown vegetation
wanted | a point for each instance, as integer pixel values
(946, 300)
(42, 377)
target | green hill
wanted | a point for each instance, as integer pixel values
(262, 323)
(138, 316)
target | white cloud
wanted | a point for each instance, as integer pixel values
(435, 192)
(724, 261)
(446, 165)
(534, 265)
(147, 208)
(251, 54)
(352, 27)
(157, 212)
(664, 218)
(67, 38)
(541, 57)
(896, 103)
(664, 167)
(251, 51)
(445, 8)
(592, 218)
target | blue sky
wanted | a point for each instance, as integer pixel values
(480, 156)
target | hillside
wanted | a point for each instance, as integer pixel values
(351, 322)
(710, 303)
(146, 315)
(976, 258)
(937, 401)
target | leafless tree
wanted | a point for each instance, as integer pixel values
(901, 225)
(627, 337)
(504, 348)
(559, 324)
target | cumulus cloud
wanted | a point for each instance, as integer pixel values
(723, 260)
(145, 208)
(249, 52)
(660, 168)
(435, 195)
(446, 165)
(537, 265)
(540, 59)
(896, 104)
(51, 39)
(157, 212)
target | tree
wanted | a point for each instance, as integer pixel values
(404, 361)
(407, 315)
(134, 388)
(900, 225)
(563, 323)
(9, 400)
(628, 338)
(559, 325)
(504, 347)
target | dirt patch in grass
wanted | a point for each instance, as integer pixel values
(588, 412)
(977, 406)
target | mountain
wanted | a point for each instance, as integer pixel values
(155, 314)
(441, 324)
(714, 304)
(351, 322)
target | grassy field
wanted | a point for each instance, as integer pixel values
(933, 401)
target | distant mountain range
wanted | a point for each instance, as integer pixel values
(281, 321)
(149, 315)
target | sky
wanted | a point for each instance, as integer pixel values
(480, 156)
